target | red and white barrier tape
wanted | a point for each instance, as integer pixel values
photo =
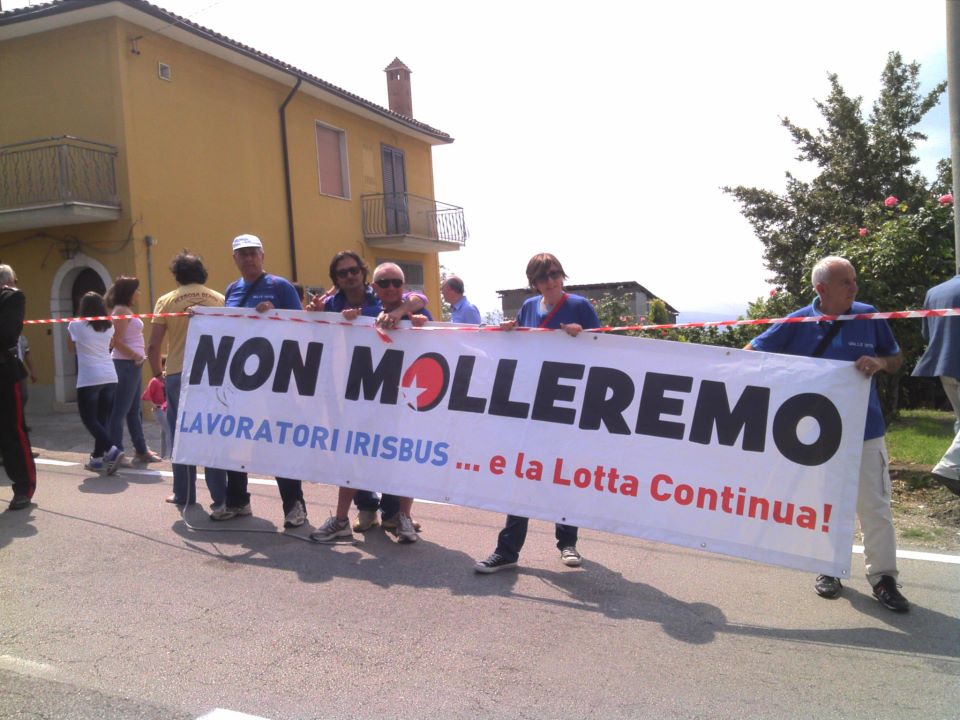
(898, 315)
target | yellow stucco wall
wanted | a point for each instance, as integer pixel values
(199, 162)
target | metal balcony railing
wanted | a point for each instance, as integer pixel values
(57, 171)
(403, 214)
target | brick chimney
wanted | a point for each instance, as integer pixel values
(398, 88)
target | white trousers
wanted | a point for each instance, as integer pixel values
(873, 509)
(949, 464)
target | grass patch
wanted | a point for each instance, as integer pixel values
(920, 436)
(925, 534)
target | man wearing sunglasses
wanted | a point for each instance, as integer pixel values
(351, 295)
(262, 291)
(388, 281)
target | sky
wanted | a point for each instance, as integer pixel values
(602, 132)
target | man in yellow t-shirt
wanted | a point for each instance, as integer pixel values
(190, 274)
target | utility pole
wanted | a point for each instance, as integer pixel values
(953, 98)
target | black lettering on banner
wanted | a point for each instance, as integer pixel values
(460, 399)
(549, 391)
(788, 417)
(213, 361)
(749, 416)
(608, 393)
(653, 404)
(385, 377)
(305, 370)
(500, 402)
(258, 347)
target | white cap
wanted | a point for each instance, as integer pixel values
(245, 241)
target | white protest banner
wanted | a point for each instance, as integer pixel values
(743, 453)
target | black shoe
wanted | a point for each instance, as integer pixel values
(19, 502)
(886, 592)
(950, 483)
(494, 563)
(828, 586)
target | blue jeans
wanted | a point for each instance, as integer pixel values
(514, 534)
(185, 476)
(126, 404)
(94, 403)
(388, 505)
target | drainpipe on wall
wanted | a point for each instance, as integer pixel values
(286, 179)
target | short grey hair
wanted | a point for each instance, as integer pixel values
(388, 266)
(7, 275)
(821, 271)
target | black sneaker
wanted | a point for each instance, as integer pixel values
(494, 563)
(828, 586)
(886, 592)
(19, 502)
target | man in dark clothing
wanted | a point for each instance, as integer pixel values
(14, 440)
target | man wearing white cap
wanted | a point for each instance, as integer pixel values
(262, 291)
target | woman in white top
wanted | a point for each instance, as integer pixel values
(128, 356)
(96, 380)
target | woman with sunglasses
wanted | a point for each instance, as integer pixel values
(556, 309)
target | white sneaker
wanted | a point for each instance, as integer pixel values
(366, 519)
(406, 532)
(332, 531)
(222, 512)
(297, 516)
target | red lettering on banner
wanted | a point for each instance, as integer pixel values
(497, 464)
(584, 478)
(737, 502)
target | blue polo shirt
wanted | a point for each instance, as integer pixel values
(370, 307)
(855, 339)
(465, 312)
(575, 309)
(271, 288)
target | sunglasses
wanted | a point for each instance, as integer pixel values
(343, 272)
(387, 282)
(552, 275)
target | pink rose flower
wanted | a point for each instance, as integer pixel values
(945, 199)
(891, 201)
(863, 232)
(773, 293)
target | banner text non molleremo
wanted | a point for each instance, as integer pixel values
(743, 453)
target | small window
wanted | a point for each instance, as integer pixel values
(331, 161)
(163, 70)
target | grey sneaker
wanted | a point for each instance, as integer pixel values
(393, 522)
(406, 533)
(112, 459)
(570, 557)
(222, 512)
(241, 510)
(366, 519)
(494, 563)
(332, 531)
(297, 516)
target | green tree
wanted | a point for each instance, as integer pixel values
(859, 162)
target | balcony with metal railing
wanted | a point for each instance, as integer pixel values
(57, 181)
(402, 221)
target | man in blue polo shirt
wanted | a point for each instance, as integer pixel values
(262, 291)
(461, 309)
(870, 345)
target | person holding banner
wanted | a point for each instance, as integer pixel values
(352, 296)
(942, 359)
(870, 345)
(556, 309)
(259, 290)
(190, 274)
(394, 511)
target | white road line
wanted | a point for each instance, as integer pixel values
(26, 667)
(58, 463)
(916, 555)
(221, 714)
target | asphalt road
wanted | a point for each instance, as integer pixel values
(111, 606)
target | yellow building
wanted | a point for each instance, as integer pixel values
(128, 133)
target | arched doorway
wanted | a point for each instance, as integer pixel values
(76, 276)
